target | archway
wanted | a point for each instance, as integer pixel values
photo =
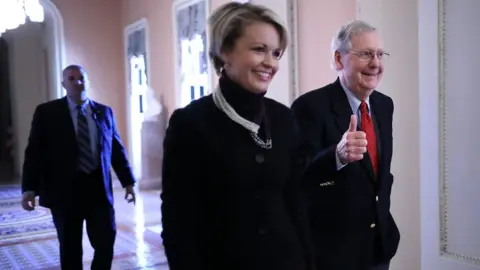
(57, 52)
(54, 59)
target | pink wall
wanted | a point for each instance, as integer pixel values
(93, 39)
(160, 22)
(317, 22)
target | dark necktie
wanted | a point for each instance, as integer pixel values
(367, 127)
(85, 155)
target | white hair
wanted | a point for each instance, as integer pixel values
(341, 42)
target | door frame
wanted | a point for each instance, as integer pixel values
(177, 5)
(56, 44)
(141, 24)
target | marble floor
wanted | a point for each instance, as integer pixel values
(28, 239)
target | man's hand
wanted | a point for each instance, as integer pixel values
(28, 200)
(130, 194)
(353, 144)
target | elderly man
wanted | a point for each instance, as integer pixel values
(348, 132)
(72, 145)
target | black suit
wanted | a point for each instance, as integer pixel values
(51, 171)
(227, 203)
(349, 208)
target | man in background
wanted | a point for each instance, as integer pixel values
(73, 144)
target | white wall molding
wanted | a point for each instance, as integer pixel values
(293, 48)
(138, 25)
(57, 58)
(455, 242)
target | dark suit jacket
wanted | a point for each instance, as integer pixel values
(51, 156)
(226, 202)
(349, 209)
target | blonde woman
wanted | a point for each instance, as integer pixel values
(231, 195)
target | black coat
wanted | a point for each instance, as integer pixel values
(351, 223)
(227, 203)
(51, 156)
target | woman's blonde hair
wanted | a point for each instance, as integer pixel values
(228, 22)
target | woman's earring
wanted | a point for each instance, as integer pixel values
(226, 66)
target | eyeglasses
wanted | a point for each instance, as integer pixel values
(369, 55)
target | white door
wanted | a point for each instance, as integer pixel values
(195, 81)
(138, 86)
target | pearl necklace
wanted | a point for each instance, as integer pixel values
(223, 105)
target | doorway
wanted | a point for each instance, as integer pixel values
(136, 55)
(26, 57)
(192, 69)
(6, 128)
(138, 86)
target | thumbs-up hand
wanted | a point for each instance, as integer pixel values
(353, 123)
(353, 144)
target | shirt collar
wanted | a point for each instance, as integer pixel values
(353, 100)
(73, 106)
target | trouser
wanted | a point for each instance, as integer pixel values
(89, 205)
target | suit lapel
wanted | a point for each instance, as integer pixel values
(99, 119)
(367, 164)
(340, 106)
(68, 123)
(382, 135)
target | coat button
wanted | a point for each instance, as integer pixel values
(259, 158)
(376, 198)
(262, 231)
(372, 225)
